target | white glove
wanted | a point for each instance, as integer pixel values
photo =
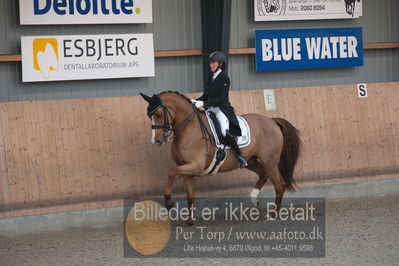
(193, 100)
(199, 104)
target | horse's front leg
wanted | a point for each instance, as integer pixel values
(189, 169)
(190, 190)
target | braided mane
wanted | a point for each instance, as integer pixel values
(178, 94)
(204, 131)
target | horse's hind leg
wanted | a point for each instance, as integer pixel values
(255, 166)
(190, 190)
(279, 186)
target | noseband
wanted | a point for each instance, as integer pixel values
(167, 127)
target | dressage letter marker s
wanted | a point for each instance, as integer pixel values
(362, 90)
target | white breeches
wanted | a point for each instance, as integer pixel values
(222, 118)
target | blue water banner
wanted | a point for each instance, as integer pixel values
(308, 48)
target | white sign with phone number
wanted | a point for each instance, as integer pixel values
(269, 10)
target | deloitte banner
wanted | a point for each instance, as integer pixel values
(50, 58)
(308, 48)
(36, 12)
(269, 10)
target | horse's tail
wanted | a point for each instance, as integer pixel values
(290, 153)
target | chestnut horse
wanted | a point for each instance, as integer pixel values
(273, 152)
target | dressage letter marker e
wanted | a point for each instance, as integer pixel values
(270, 103)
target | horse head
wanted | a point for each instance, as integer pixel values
(169, 111)
(154, 103)
(161, 119)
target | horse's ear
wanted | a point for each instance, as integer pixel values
(145, 97)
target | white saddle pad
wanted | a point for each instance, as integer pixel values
(243, 141)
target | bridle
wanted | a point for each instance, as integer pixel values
(156, 102)
(167, 127)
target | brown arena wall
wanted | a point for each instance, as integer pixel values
(66, 155)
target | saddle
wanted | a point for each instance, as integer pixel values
(243, 141)
(220, 153)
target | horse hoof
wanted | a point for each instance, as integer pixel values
(188, 222)
(169, 204)
(256, 203)
(271, 216)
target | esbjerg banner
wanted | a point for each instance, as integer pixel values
(269, 10)
(308, 48)
(46, 12)
(76, 57)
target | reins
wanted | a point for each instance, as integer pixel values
(204, 131)
(167, 126)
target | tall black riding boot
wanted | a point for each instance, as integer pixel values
(231, 140)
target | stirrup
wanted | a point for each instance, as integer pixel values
(242, 160)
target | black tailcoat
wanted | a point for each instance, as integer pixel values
(216, 94)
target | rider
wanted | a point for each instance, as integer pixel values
(216, 98)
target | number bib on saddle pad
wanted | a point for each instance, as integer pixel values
(243, 141)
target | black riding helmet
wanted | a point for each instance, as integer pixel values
(217, 57)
